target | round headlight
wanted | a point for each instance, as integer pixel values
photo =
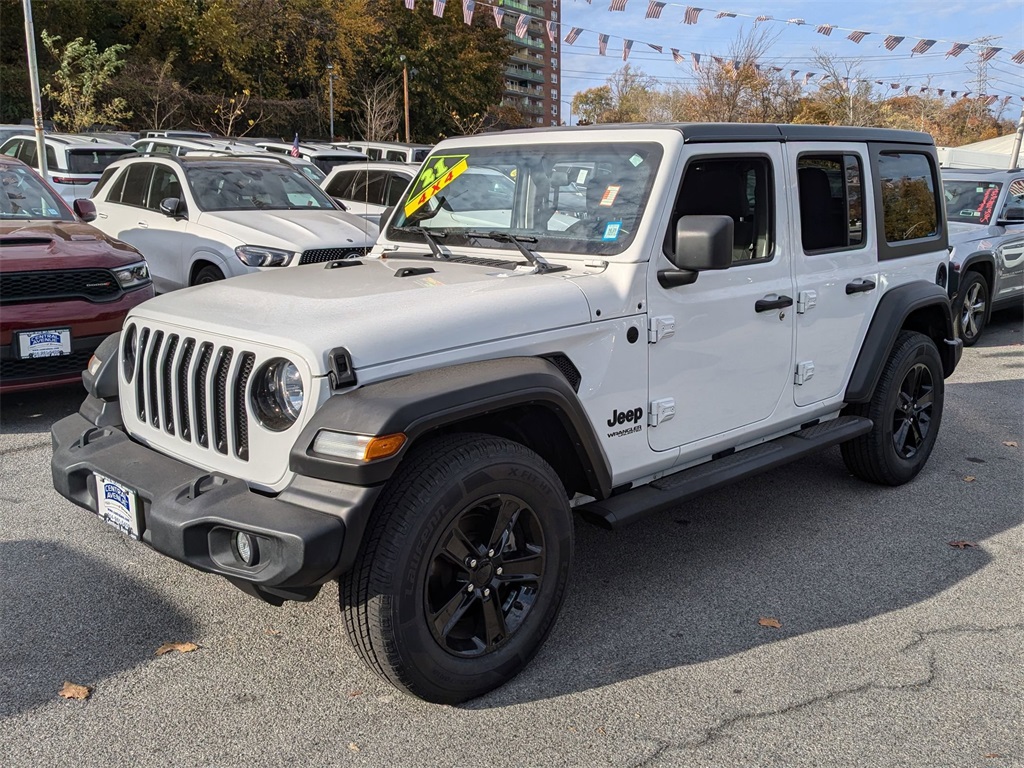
(128, 347)
(277, 394)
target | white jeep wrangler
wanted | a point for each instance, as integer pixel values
(619, 319)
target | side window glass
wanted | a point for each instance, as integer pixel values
(165, 184)
(136, 184)
(736, 187)
(396, 155)
(114, 196)
(1014, 198)
(396, 189)
(341, 185)
(51, 159)
(909, 207)
(28, 153)
(12, 151)
(369, 187)
(831, 215)
(164, 149)
(373, 153)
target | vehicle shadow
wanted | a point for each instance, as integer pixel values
(807, 544)
(35, 410)
(66, 616)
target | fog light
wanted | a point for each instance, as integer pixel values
(247, 548)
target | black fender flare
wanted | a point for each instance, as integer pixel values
(986, 257)
(891, 314)
(422, 402)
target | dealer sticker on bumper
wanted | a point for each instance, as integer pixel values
(53, 342)
(118, 506)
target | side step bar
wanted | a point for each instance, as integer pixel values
(667, 492)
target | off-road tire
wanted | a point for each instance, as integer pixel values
(208, 275)
(971, 308)
(906, 410)
(405, 563)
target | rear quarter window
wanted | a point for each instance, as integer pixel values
(908, 207)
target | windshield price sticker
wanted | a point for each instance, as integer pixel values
(441, 172)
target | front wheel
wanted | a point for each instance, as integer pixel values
(462, 572)
(906, 410)
(971, 308)
(208, 275)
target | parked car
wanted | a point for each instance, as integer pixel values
(64, 285)
(388, 150)
(182, 146)
(73, 163)
(198, 219)
(175, 134)
(368, 189)
(985, 210)
(323, 156)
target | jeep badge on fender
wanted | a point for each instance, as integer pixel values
(421, 425)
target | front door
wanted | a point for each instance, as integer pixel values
(728, 362)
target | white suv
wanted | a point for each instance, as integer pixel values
(73, 163)
(323, 156)
(369, 189)
(198, 219)
(421, 424)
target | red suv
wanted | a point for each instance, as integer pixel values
(64, 285)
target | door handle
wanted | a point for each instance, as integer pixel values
(767, 304)
(102, 215)
(860, 286)
(143, 225)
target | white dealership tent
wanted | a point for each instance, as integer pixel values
(991, 153)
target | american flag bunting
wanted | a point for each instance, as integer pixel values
(793, 73)
(439, 8)
(891, 41)
(695, 57)
(410, 5)
(798, 22)
(857, 36)
(808, 76)
(468, 6)
(522, 25)
(956, 50)
(894, 86)
(677, 57)
(690, 17)
(602, 44)
(573, 36)
(617, 5)
(941, 91)
(825, 29)
(725, 15)
(988, 53)
(498, 16)
(762, 18)
(1018, 57)
(922, 46)
(654, 9)
(627, 46)
(953, 93)
(550, 26)
(657, 48)
(991, 100)
(906, 90)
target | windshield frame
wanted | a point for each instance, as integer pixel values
(623, 174)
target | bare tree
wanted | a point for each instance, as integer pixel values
(226, 114)
(379, 109)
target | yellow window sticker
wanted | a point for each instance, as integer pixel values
(441, 172)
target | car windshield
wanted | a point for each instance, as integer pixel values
(970, 201)
(24, 196)
(94, 161)
(575, 198)
(276, 187)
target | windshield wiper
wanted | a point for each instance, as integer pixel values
(429, 237)
(539, 263)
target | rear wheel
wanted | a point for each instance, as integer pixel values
(208, 275)
(906, 410)
(971, 307)
(462, 572)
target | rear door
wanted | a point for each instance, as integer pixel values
(1010, 253)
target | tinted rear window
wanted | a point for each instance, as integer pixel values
(94, 161)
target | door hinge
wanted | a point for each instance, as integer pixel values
(804, 371)
(806, 300)
(661, 327)
(661, 410)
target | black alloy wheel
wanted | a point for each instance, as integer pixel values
(912, 416)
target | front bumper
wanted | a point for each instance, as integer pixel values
(191, 515)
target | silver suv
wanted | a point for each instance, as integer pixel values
(985, 210)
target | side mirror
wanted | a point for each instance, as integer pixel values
(1010, 216)
(173, 206)
(702, 242)
(84, 209)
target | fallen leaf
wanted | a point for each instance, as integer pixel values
(180, 647)
(970, 479)
(1010, 443)
(273, 632)
(599, 729)
(74, 691)
(767, 621)
(993, 754)
(353, 746)
(354, 694)
(962, 544)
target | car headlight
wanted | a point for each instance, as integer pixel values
(277, 394)
(258, 256)
(133, 275)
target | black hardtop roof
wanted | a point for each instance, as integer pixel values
(699, 133)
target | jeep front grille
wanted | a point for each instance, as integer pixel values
(194, 389)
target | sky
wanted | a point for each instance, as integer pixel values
(946, 21)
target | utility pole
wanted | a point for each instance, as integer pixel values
(405, 94)
(33, 79)
(1015, 153)
(330, 96)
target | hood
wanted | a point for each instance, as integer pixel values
(293, 230)
(961, 233)
(377, 316)
(45, 245)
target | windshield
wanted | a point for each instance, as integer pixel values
(94, 161)
(573, 198)
(24, 196)
(249, 188)
(971, 201)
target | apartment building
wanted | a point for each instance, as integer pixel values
(531, 74)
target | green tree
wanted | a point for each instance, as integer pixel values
(592, 105)
(82, 74)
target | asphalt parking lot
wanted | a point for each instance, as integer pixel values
(895, 648)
